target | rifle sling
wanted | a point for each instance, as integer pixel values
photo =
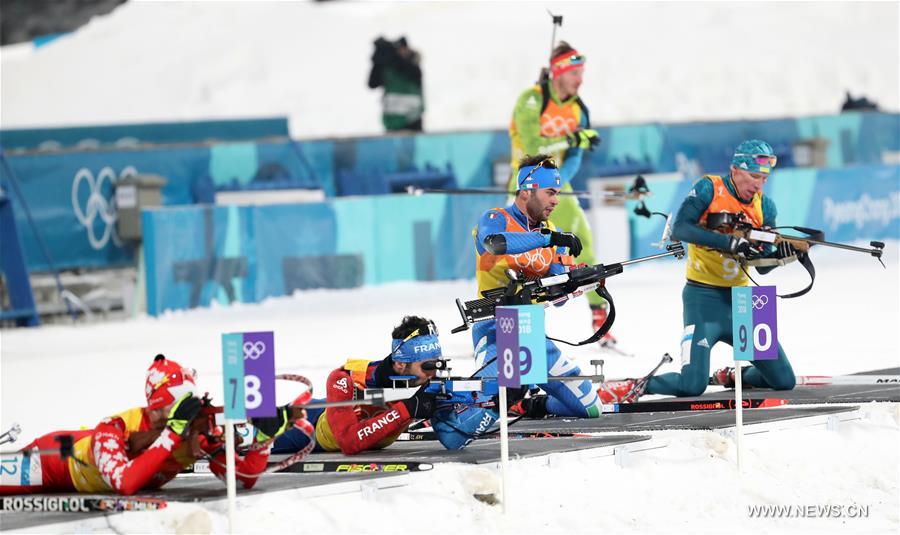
(806, 262)
(607, 325)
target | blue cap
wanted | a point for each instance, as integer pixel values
(537, 177)
(416, 349)
(755, 156)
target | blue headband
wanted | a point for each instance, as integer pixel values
(425, 347)
(540, 178)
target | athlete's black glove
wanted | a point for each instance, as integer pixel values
(586, 138)
(183, 413)
(535, 406)
(565, 239)
(269, 427)
(421, 405)
(740, 246)
(785, 252)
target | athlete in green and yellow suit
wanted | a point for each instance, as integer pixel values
(550, 119)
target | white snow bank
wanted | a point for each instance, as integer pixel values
(647, 61)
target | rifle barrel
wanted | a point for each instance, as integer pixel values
(499, 191)
(652, 257)
(874, 251)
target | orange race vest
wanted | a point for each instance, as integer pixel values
(710, 266)
(490, 270)
(557, 120)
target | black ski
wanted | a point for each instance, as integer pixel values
(679, 405)
(79, 503)
(430, 435)
(360, 467)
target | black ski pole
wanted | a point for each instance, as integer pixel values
(557, 21)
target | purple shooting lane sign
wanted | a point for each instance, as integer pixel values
(754, 315)
(259, 373)
(509, 373)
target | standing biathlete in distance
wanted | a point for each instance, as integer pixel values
(550, 118)
(520, 237)
(713, 268)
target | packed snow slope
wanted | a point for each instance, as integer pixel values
(647, 61)
(64, 377)
(59, 377)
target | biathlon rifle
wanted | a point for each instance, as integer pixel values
(638, 191)
(475, 391)
(786, 248)
(553, 290)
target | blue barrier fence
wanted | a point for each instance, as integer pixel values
(130, 135)
(196, 255)
(69, 194)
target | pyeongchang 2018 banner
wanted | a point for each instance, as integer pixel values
(857, 203)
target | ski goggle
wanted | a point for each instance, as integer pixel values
(566, 61)
(762, 159)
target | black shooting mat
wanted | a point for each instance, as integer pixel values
(805, 395)
(885, 371)
(662, 421)
(481, 451)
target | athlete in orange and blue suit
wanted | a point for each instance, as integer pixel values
(521, 237)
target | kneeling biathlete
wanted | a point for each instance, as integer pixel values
(521, 237)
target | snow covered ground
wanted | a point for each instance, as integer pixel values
(647, 61)
(671, 61)
(58, 377)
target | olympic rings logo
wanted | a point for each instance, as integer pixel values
(254, 350)
(532, 259)
(99, 206)
(759, 301)
(506, 325)
(558, 126)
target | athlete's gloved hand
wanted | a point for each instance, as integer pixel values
(183, 413)
(422, 405)
(564, 239)
(585, 138)
(785, 252)
(270, 427)
(535, 406)
(740, 246)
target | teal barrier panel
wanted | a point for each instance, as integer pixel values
(196, 255)
(853, 138)
(130, 135)
(850, 204)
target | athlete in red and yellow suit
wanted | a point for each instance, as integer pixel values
(106, 460)
(352, 429)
